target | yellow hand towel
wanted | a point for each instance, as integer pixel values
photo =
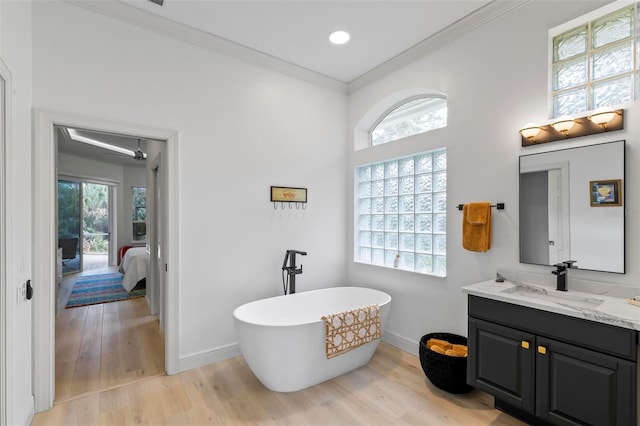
(476, 226)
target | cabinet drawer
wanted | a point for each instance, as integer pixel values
(608, 339)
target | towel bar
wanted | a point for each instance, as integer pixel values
(499, 206)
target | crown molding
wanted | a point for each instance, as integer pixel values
(486, 14)
(144, 19)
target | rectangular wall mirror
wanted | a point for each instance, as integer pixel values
(565, 216)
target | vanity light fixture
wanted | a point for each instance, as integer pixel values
(602, 116)
(339, 37)
(562, 128)
(530, 131)
(564, 124)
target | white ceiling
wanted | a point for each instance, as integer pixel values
(290, 36)
(297, 31)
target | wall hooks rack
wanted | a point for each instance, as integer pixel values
(290, 203)
(289, 195)
(499, 206)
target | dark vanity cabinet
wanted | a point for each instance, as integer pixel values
(548, 368)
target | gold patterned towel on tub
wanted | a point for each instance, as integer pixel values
(349, 329)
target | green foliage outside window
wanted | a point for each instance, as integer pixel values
(139, 214)
(68, 209)
(95, 218)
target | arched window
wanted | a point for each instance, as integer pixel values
(410, 117)
(400, 202)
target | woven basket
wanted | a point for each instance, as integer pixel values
(448, 373)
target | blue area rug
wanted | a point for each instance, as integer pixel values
(101, 288)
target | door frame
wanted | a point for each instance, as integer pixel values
(45, 237)
(155, 237)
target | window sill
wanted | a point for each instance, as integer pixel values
(428, 274)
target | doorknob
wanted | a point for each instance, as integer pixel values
(29, 294)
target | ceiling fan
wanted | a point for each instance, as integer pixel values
(136, 155)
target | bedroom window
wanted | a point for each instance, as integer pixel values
(594, 62)
(401, 210)
(410, 117)
(139, 201)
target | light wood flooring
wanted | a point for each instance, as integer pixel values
(102, 346)
(390, 390)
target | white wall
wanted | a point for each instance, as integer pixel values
(241, 129)
(15, 51)
(496, 80)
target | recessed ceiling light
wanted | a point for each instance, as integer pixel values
(339, 37)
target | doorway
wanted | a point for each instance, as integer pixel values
(45, 240)
(106, 335)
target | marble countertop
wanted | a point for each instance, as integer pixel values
(607, 309)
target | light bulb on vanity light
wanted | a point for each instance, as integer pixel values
(602, 116)
(530, 131)
(563, 124)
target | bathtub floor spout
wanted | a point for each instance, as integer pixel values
(291, 270)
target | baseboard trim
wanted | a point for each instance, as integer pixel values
(26, 417)
(200, 359)
(400, 342)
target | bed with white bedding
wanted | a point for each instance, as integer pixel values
(134, 266)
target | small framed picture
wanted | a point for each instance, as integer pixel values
(605, 193)
(288, 194)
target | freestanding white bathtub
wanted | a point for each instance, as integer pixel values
(283, 338)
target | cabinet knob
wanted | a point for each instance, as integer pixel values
(525, 344)
(542, 350)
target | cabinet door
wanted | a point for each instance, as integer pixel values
(576, 386)
(501, 363)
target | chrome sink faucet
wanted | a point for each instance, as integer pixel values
(561, 273)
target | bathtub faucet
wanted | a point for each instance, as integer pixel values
(291, 269)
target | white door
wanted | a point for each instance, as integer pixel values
(3, 288)
(16, 307)
(555, 216)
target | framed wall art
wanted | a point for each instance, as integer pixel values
(605, 193)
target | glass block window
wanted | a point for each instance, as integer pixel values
(401, 209)
(139, 219)
(596, 64)
(410, 117)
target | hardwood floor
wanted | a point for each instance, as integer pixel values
(102, 346)
(390, 390)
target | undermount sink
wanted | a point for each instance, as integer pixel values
(566, 298)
